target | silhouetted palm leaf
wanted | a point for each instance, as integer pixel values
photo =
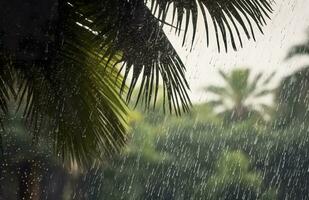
(227, 17)
(77, 98)
(301, 49)
(6, 85)
(129, 27)
(146, 51)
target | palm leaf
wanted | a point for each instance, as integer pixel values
(227, 17)
(77, 97)
(6, 85)
(298, 50)
(255, 82)
(264, 92)
(215, 103)
(130, 28)
(269, 78)
(220, 91)
(253, 85)
(224, 76)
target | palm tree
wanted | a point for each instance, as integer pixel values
(239, 97)
(63, 63)
(293, 93)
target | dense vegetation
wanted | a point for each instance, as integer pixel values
(199, 157)
(196, 156)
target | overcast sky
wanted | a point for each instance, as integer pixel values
(287, 27)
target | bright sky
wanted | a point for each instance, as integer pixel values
(286, 28)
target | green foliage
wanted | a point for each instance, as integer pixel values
(293, 98)
(236, 161)
(293, 94)
(78, 101)
(233, 180)
(199, 157)
(22, 157)
(203, 159)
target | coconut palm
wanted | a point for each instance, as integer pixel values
(63, 63)
(239, 97)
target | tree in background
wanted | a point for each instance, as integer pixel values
(239, 97)
(293, 93)
(183, 158)
(234, 180)
(293, 98)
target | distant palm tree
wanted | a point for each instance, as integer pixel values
(238, 98)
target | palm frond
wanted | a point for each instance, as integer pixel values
(264, 92)
(252, 87)
(257, 81)
(220, 91)
(77, 96)
(147, 55)
(6, 90)
(298, 50)
(215, 103)
(227, 17)
(269, 78)
(224, 76)
(6, 85)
